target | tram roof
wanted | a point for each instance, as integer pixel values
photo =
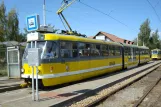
(155, 49)
(135, 46)
(76, 38)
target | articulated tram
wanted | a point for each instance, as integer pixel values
(156, 54)
(67, 58)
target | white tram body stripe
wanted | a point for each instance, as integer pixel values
(69, 72)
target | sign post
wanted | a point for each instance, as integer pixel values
(34, 62)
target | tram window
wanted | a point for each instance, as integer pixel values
(95, 50)
(75, 49)
(117, 51)
(84, 49)
(129, 51)
(126, 51)
(136, 51)
(111, 50)
(143, 52)
(104, 50)
(51, 50)
(67, 49)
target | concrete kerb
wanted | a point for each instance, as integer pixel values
(68, 102)
(10, 88)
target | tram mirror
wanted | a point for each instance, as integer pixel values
(34, 56)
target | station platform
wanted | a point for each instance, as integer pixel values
(7, 84)
(56, 97)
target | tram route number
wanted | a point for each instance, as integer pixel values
(112, 63)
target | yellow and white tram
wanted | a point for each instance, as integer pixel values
(156, 54)
(66, 58)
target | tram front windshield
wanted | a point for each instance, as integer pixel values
(154, 52)
(48, 49)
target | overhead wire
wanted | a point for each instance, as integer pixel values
(108, 15)
(157, 3)
(154, 10)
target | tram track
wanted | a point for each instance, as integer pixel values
(147, 92)
(101, 95)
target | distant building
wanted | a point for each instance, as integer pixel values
(109, 37)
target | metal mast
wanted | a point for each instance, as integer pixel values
(44, 13)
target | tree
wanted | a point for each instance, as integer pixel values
(144, 33)
(13, 26)
(135, 41)
(3, 34)
(154, 40)
(9, 25)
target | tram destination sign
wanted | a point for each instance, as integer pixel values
(33, 23)
(34, 56)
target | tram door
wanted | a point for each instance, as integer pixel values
(13, 62)
(130, 57)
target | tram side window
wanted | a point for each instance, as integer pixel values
(129, 51)
(126, 51)
(136, 51)
(117, 51)
(95, 50)
(111, 50)
(143, 52)
(75, 49)
(140, 51)
(51, 50)
(84, 49)
(104, 50)
(66, 49)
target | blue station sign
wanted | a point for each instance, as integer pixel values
(33, 23)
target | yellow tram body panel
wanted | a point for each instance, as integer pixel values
(81, 69)
(144, 58)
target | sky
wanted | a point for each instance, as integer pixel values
(85, 20)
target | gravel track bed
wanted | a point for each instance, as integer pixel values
(130, 95)
(124, 98)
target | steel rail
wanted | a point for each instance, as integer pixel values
(147, 92)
